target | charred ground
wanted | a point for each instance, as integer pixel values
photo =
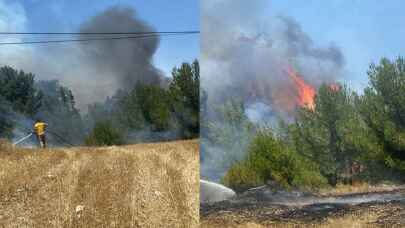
(251, 209)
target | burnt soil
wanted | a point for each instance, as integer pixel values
(264, 208)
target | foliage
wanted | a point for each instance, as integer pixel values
(128, 111)
(241, 177)
(184, 92)
(104, 134)
(17, 95)
(344, 129)
(17, 87)
(333, 134)
(269, 159)
(153, 109)
(383, 108)
(153, 104)
(171, 112)
(21, 98)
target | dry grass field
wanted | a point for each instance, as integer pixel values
(145, 185)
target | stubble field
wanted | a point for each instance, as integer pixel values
(145, 185)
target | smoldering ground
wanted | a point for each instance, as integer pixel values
(244, 56)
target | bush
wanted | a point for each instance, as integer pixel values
(269, 159)
(240, 177)
(104, 134)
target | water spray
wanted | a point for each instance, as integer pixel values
(22, 139)
(211, 192)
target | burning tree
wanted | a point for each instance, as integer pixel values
(332, 134)
(305, 93)
(345, 135)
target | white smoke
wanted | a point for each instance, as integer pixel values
(259, 113)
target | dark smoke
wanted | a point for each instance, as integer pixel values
(244, 56)
(299, 43)
(128, 61)
(93, 70)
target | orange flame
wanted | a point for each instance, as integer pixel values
(306, 93)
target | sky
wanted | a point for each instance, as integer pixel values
(67, 15)
(365, 31)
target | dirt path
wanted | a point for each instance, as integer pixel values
(148, 185)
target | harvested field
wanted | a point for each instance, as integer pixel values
(145, 185)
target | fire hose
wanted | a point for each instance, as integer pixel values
(22, 139)
(30, 134)
(60, 138)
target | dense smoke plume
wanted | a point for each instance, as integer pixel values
(127, 61)
(252, 62)
(246, 55)
(93, 70)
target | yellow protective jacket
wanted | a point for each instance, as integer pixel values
(39, 128)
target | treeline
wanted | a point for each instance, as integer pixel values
(150, 112)
(145, 113)
(346, 137)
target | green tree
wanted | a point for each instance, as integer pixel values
(18, 99)
(130, 113)
(17, 87)
(184, 92)
(153, 103)
(383, 108)
(333, 134)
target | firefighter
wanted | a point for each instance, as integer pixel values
(39, 129)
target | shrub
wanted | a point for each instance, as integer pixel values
(240, 177)
(269, 159)
(104, 134)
